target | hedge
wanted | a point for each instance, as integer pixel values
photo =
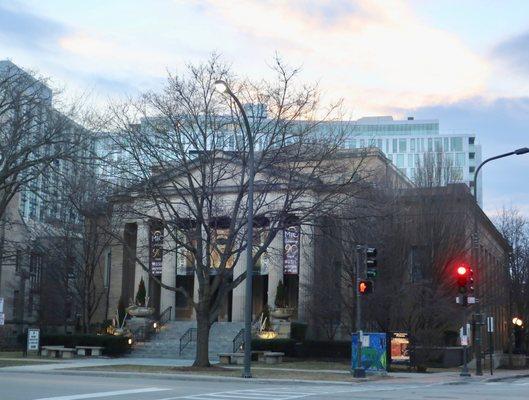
(113, 345)
(306, 349)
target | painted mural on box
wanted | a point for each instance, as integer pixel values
(374, 356)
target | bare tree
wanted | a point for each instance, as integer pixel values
(436, 169)
(515, 229)
(190, 155)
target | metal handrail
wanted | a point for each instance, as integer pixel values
(189, 336)
(165, 316)
(238, 341)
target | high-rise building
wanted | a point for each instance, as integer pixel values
(408, 142)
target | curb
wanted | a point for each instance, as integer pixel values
(189, 377)
(505, 378)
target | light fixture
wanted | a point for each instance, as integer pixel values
(130, 341)
(155, 325)
(221, 86)
(517, 321)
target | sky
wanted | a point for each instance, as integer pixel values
(464, 62)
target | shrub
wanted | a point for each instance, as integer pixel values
(286, 346)
(324, 349)
(141, 294)
(113, 345)
(298, 330)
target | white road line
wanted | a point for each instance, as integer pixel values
(103, 394)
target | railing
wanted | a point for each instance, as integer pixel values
(165, 316)
(142, 334)
(188, 337)
(238, 341)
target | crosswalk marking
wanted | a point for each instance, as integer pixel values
(103, 394)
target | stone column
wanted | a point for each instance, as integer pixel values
(306, 269)
(237, 310)
(142, 254)
(167, 297)
(275, 267)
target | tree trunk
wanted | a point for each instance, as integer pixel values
(202, 354)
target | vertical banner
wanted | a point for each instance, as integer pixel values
(184, 258)
(156, 249)
(291, 250)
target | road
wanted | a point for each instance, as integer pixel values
(36, 386)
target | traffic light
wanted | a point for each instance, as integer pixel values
(365, 287)
(463, 274)
(371, 262)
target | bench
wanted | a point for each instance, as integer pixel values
(231, 358)
(271, 357)
(89, 350)
(57, 352)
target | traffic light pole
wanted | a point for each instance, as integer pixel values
(359, 371)
(464, 369)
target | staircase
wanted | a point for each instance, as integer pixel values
(166, 343)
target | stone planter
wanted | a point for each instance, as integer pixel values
(282, 312)
(267, 335)
(138, 311)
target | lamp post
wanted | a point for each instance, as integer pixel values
(222, 87)
(475, 251)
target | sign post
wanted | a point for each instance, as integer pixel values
(490, 330)
(33, 339)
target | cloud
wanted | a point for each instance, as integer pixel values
(373, 54)
(500, 125)
(19, 28)
(514, 52)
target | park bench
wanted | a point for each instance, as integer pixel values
(268, 357)
(93, 351)
(271, 357)
(57, 352)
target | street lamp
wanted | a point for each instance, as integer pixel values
(517, 321)
(475, 247)
(222, 87)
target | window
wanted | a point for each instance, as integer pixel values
(412, 144)
(362, 143)
(471, 140)
(410, 160)
(430, 144)
(460, 159)
(402, 145)
(395, 146)
(471, 156)
(456, 144)
(400, 160)
(379, 144)
(471, 169)
(438, 145)
(445, 145)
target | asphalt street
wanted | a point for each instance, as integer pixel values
(37, 386)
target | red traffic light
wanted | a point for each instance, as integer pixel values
(462, 270)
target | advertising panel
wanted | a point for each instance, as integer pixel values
(291, 250)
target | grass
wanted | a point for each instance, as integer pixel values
(16, 363)
(263, 371)
(11, 354)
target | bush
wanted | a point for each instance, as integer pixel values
(298, 330)
(113, 345)
(324, 349)
(286, 346)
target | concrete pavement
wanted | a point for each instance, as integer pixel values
(49, 386)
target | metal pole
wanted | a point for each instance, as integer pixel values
(475, 255)
(247, 373)
(359, 371)
(464, 369)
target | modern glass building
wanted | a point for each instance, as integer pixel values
(405, 143)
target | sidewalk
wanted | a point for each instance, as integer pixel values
(68, 367)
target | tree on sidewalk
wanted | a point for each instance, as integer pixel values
(188, 150)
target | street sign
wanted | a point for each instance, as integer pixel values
(1, 305)
(2, 319)
(464, 340)
(490, 324)
(471, 300)
(33, 339)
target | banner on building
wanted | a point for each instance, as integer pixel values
(156, 249)
(291, 250)
(219, 241)
(261, 265)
